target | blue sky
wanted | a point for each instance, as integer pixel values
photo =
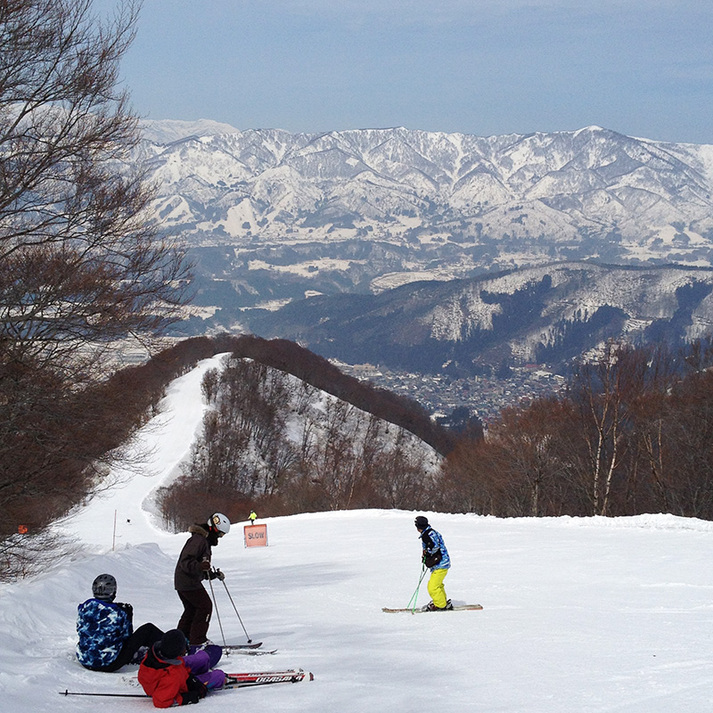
(641, 67)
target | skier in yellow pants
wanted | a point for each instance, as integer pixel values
(435, 557)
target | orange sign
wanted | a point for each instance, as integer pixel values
(255, 535)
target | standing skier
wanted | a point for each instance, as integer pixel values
(107, 640)
(435, 557)
(192, 568)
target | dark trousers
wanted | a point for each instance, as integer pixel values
(197, 608)
(146, 635)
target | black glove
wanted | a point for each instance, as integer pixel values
(217, 574)
(432, 559)
(197, 687)
(189, 697)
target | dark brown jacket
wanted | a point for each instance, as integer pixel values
(189, 574)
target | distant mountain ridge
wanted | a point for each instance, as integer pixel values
(271, 216)
(543, 314)
(167, 131)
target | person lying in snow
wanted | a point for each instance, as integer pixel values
(107, 640)
(173, 677)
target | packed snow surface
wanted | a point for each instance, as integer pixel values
(579, 615)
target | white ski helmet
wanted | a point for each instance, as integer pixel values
(220, 523)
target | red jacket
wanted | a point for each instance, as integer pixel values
(163, 680)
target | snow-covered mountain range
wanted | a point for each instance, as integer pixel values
(374, 208)
(273, 217)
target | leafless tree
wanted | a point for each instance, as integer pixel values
(81, 266)
(598, 390)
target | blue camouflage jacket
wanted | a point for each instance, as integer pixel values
(432, 541)
(103, 627)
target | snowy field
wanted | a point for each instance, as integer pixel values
(579, 614)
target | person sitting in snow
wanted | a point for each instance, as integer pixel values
(435, 557)
(172, 677)
(107, 640)
(192, 568)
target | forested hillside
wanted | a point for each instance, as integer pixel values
(273, 441)
(633, 434)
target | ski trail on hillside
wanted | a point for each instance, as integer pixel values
(110, 518)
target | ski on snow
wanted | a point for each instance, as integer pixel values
(462, 607)
(233, 680)
(251, 649)
(242, 651)
(264, 678)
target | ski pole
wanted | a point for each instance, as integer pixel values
(414, 597)
(67, 692)
(217, 613)
(236, 611)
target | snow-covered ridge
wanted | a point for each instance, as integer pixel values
(578, 290)
(167, 131)
(539, 314)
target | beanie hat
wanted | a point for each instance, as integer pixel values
(421, 522)
(173, 644)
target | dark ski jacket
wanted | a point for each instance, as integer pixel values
(189, 574)
(103, 627)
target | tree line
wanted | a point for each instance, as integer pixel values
(317, 371)
(632, 434)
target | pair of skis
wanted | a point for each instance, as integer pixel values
(264, 678)
(261, 678)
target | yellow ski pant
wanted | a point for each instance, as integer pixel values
(436, 588)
